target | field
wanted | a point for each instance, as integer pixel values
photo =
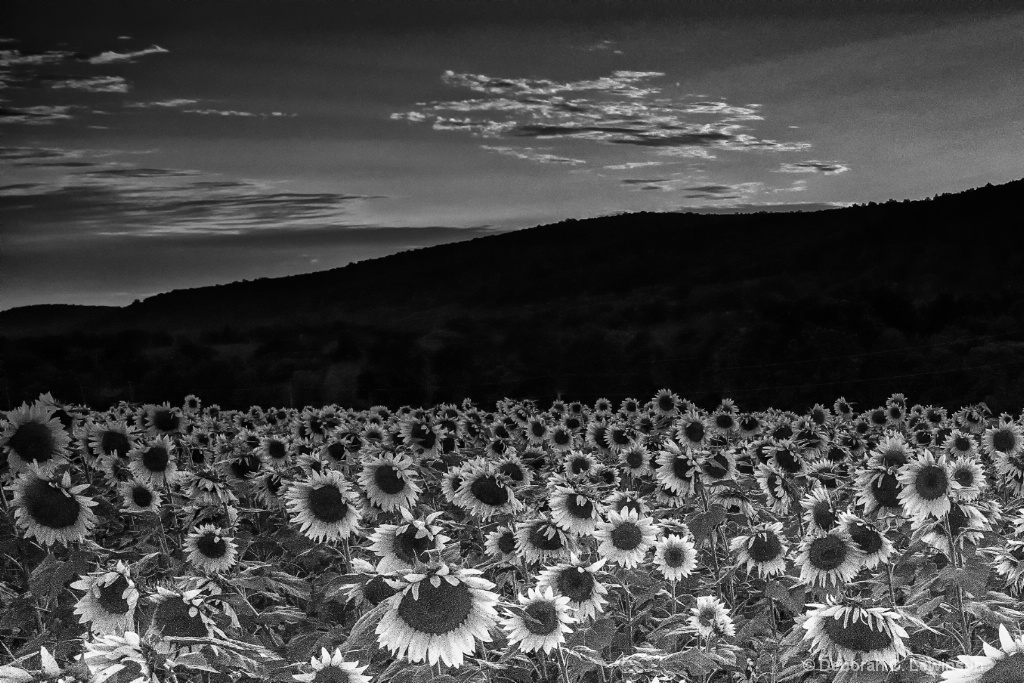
(642, 541)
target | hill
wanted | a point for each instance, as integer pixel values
(781, 309)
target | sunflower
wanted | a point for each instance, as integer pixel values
(154, 462)
(575, 509)
(733, 499)
(597, 431)
(324, 506)
(618, 437)
(514, 467)
(334, 668)
(873, 543)
(113, 438)
(34, 435)
(401, 547)
(787, 457)
(675, 557)
(389, 480)
(162, 420)
(666, 402)
(438, 615)
(927, 486)
(765, 548)
(109, 601)
(691, 430)
(710, 618)
(139, 496)
(960, 444)
(678, 469)
(120, 658)
(485, 491)
(501, 544)
(625, 538)
(537, 430)
(1011, 471)
(210, 549)
(268, 487)
(970, 475)
(626, 500)
(52, 511)
(208, 487)
(847, 634)
(275, 451)
(717, 466)
(541, 621)
(774, 486)
(540, 540)
(819, 512)
(561, 438)
(181, 614)
(891, 454)
(1009, 563)
(879, 493)
(830, 560)
(577, 581)
(967, 522)
(451, 482)
(1004, 664)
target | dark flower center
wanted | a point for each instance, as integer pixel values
(507, 543)
(327, 504)
(635, 459)
(783, 431)
(538, 429)
(749, 423)
(576, 509)
(682, 467)
(858, 636)
(377, 590)
(165, 420)
(599, 433)
(674, 557)
(142, 496)
(724, 421)
(513, 470)
(866, 538)
(823, 515)
(964, 476)
(694, 431)
(155, 458)
(575, 584)
(827, 553)
(626, 536)
(931, 482)
(409, 548)
(836, 454)
(110, 596)
(666, 404)
(33, 441)
(579, 465)
(539, 537)
(438, 610)
(717, 466)
(894, 457)
(764, 547)
(1004, 441)
(388, 480)
(114, 443)
(878, 417)
(332, 674)
(1007, 670)
(962, 444)
(172, 618)
(543, 618)
(561, 437)
(49, 506)
(335, 449)
(788, 460)
(212, 546)
(488, 491)
(886, 490)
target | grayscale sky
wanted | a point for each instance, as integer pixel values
(150, 146)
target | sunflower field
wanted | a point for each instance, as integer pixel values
(649, 541)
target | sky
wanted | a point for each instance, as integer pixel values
(153, 146)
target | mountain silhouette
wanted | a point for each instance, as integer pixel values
(771, 309)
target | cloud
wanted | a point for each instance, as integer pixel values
(719, 192)
(19, 58)
(38, 115)
(116, 57)
(626, 108)
(633, 164)
(232, 112)
(127, 201)
(161, 103)
(530, 154)
(826, 167)
(93, 84)
(769, 207)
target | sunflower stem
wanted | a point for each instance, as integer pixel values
(957, 562)
(562, 665)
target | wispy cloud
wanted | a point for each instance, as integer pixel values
(826, 167)
(111, 57)
(161, 104)
(37, 115)
(530, 154)
(626, 108)
(233, 112)
(92, 84)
